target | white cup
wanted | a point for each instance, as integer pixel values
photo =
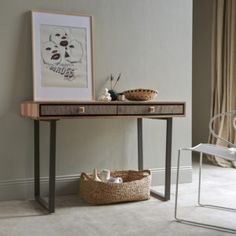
(116, 180)
(105, 175)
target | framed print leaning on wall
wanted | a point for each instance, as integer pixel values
(62, 57)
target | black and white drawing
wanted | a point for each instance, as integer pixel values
(63, 56)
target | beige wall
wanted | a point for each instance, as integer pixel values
(202, 23)
(149, 41)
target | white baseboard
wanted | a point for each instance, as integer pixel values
(24, 188)
(158, 175)
(68, 184)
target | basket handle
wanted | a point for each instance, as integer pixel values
(147, 172)
(85, 176)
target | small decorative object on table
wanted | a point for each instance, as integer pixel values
(135, 187)
(114, 94)
(105, 97)
(140, 94)
(121, 97)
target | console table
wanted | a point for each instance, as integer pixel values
(54, 111)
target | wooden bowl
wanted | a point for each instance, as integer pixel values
(140, 94)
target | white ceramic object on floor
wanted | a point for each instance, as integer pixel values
(116, 180)
(95, 175)
(105, 175)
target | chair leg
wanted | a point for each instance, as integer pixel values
(195, 223)
(177, 186)
(199, 191)
(200, 180)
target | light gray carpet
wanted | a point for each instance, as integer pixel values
(73, 217)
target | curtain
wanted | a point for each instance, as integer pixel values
(223, 94)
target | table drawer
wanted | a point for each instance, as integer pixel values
(151, 109)
(74, 110)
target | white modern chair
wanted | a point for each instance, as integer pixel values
(214, 150)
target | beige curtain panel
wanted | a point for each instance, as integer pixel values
(223, 92)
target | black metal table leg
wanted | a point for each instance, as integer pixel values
(168, 158)
(52, 167)
(166, 195)
(50, 205)
(36, 160)
(140, 143)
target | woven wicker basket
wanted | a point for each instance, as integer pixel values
(135, 187)
(140, 94)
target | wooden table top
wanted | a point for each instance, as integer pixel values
(95, 109)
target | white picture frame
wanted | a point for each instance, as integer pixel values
(62, 57)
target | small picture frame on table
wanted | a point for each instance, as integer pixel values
(62, 57)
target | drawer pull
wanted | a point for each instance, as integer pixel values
(151, 109)
(81, 109)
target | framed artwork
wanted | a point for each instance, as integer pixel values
(62, 57)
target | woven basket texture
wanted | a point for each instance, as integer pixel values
(135, 187)
(140, 94)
